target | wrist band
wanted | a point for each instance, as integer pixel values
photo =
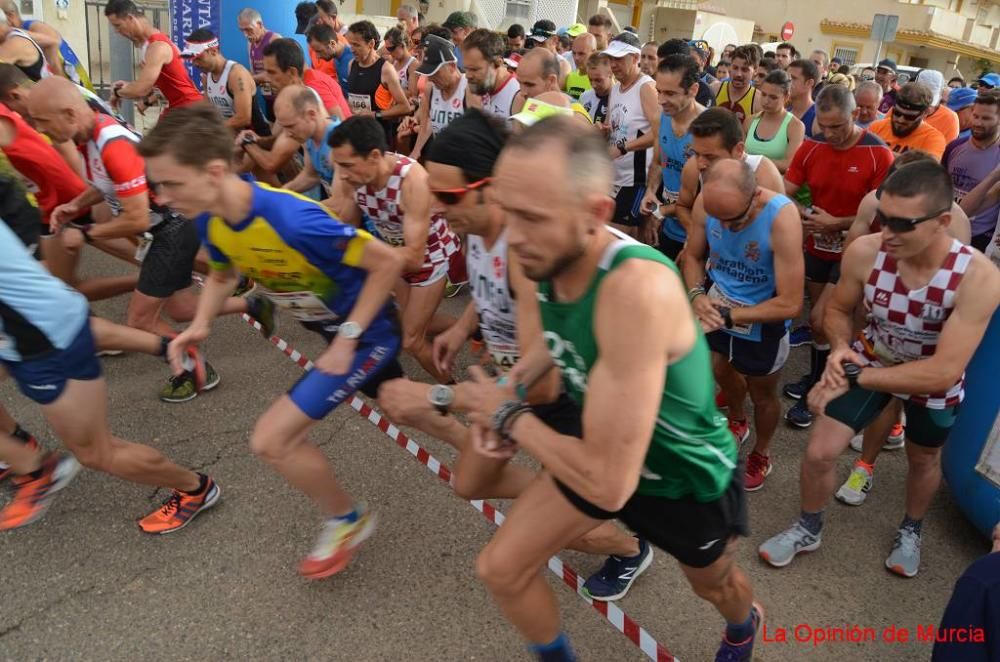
(506, 414)
(695, 292)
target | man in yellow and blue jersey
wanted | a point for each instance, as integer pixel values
(333, 278)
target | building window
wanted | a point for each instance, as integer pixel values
(848, 53)
(518, 10)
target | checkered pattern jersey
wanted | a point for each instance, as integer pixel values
(904, 324)
(384, 208)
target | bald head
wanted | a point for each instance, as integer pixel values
(297, 99)
(538, 72)
(56, 93)
(729, 186)
(60, 111)
(583, 46)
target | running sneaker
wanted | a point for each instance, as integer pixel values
(338, 540)
(742, 651)
(180, 508)
(904, 560)
(190, 383)
(897, 438)
(452, 290)
(29, 441)
(617, 575)
(758, 469)
(262, 309)
(740, 430)
(798, 390)
(245, 286)
(800, 335)
(798, 415)
(855, 489)
(720, 400)
(782, 548)
(33, 494)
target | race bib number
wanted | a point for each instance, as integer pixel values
(745, 330)
(303, 306)
(360, 103)
(829, 242)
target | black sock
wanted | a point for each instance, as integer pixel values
(812, 522)
(817, 362)
(164, 342)
(914, 525)
(202, 483)
(478, 335)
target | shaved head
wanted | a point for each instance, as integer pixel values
(538, 72)
(59, 110)
(56, 93)
(729, 191)
(731, 175)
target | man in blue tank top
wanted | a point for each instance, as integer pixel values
(752, 238)
(299, 112)
(676, 90)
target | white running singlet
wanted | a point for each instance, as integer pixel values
(499, 102)
(218, 93)
(628, 122)
(491, 293)
(443, 111)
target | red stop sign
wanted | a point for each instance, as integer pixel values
(787, 30)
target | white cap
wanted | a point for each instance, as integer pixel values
(934, 80)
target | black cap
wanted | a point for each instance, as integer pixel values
(437, 53)
(542, 30)
(887, 63)
(304, 14)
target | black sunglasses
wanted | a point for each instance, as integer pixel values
(909, 115)
(901, 225)
(742, 215)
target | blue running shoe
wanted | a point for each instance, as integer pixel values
(799, 416)
(798, 390)
(616, 576)
(742, 651)
(800, 335)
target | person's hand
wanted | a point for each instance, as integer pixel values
(405, 401)
(833, 376)
(407, 127)
(649, 203)
(818, 220)
(487, 442)
(338, 357)
(605, 127)
(72, 239)
(446, 347)
(821, 394)
(614, 152)
(245, 136)
(179, 346)
(63, 214)
(649, 230)
(706, 312)
(482, 396)
(116, 101)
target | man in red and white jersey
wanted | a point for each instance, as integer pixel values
(162, 66)
(930, 298)
(392, 191)
(117, 175)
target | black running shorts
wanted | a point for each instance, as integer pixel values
(170, 260)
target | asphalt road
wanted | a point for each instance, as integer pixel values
(85, 584)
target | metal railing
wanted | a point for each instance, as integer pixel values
(99, 39)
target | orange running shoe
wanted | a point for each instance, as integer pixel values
(180, 508)
(33, 495)
(29, 441)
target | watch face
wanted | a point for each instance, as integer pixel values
(441, 395)
(350, 330)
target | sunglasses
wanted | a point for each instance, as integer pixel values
(742, 215)
(909, 116)
(452, 196)
(901, 225)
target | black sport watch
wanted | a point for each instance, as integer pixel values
(852, 371)
(727, 316)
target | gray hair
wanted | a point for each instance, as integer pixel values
(836, 97)
(250, 15)
(409, 10)
(826, 56)
(866, 86)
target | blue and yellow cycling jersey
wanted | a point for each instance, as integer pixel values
(299, 252)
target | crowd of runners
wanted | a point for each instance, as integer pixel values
(628, 217)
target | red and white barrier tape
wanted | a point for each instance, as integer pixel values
(609, 610)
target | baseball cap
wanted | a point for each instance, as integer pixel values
(542, 30)
(198, 42)
(457, 19)
(535, 111)
(961, 97)
(513, 60)
(991, 79)
(304, 13)
(624, 44)
(887, 63)
(699, 45)
(437, 53)
(935, 81)
(573, 31)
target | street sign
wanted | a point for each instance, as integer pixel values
(787, 31)
(884, 27)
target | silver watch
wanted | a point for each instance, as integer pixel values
(349, 330)
(442, 397)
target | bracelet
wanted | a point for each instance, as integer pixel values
(695, 292)
(506, 414)
(85, 231)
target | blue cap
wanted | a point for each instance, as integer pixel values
(961, 97)
(991, 79)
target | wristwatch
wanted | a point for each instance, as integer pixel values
(349, 330)
(727, 316)
(441, 396)
(622, 146)
(852, 371)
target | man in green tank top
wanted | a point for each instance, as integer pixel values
(577, 81)
(655, 451)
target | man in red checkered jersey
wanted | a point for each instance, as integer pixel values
(391, 191)
(928, 299)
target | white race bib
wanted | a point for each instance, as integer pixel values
(303, 306)
(830, 242)
(360, 103)
(715, 294)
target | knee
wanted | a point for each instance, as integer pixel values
(467, 487)
(923, 459)
(413, 340)
(816, 318)
(500, 573)
(819, 457)
(267, 445)
(140, 319)
(94, 457)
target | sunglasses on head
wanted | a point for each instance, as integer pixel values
(452, 196)
(901, 225)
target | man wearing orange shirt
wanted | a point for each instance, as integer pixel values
(905, 128)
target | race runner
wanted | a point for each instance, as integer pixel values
(930, 299)
(68, 62)
(334, 279)
(24, 51)
(228, 85)
(738, 95)
(303, 119)
(446, 96)
(488, 75)
(503, 309)
(391, 190)
(667, 467)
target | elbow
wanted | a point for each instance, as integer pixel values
(940, 380)
(614, 494)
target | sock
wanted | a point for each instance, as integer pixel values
(558, 650)
(350, 517)
(162, 352)
(478, 335)
(812, 522)
(914, 525)
(253, 307)
(202, 484)
(20, 433)
(737, 633)
(864, 465)
(817, 361)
